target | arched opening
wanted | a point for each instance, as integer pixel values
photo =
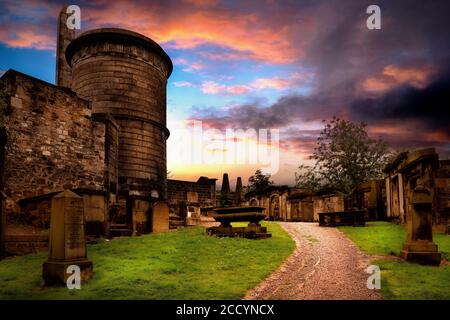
(274, 207)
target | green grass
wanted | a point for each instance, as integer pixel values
(185, 264)
(401, 279)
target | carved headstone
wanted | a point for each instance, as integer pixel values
(160, 217)
(67, 244)
(418, 170)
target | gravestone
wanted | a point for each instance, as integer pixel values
(2, 225)
(160, 217)
(419, 246)
(67, 245)
(418, 175)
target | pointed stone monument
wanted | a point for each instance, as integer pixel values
(225, 193)
(238, 198)
(67, 245)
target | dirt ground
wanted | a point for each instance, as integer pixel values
(326, 265)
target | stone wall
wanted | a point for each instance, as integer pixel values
(18, 245)
(53, 142)
(177, 191)
(442, 203)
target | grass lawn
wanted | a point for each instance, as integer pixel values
(401, 279)
(184, 264)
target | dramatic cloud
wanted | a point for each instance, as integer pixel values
(393, 76)
(430, 105)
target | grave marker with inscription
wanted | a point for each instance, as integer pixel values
(67, 245)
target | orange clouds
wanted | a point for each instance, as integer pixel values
(393, 76)
(27, 39)
(181, 26)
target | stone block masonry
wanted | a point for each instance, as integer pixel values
(125, 74)
(53, 142)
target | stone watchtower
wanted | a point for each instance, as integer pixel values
(125, 74)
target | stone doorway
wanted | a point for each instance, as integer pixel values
(274, 208)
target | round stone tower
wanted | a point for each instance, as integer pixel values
(125, 74)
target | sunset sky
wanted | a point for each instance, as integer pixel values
(283, 65)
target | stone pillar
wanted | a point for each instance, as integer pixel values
(67, 245)
(64, 37)
(2, 225)
(238, 193)
(160, 217)
(401, 201)
(419, 246)
(388, 197)
(225, 197)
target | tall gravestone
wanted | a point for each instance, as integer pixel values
(418, 172)
(67, 244)
(160, 217)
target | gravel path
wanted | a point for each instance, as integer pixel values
(325, 265)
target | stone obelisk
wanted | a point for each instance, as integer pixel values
(225, 194)
(64, 37)
(238, 193)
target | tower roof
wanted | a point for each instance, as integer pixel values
(117, 34)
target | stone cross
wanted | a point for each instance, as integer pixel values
(67, 245)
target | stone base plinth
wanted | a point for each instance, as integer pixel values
(54, 272)
(422, 252)
(249, 232)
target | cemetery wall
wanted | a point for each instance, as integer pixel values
(53, 144)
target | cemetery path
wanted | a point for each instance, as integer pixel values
(326, 265)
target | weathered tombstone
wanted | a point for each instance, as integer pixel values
(2, 225)
(418, 173)
(160, 217)
(419, 246)
(67, 245)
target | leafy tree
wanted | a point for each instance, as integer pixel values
(259, 181)
(345, 157)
